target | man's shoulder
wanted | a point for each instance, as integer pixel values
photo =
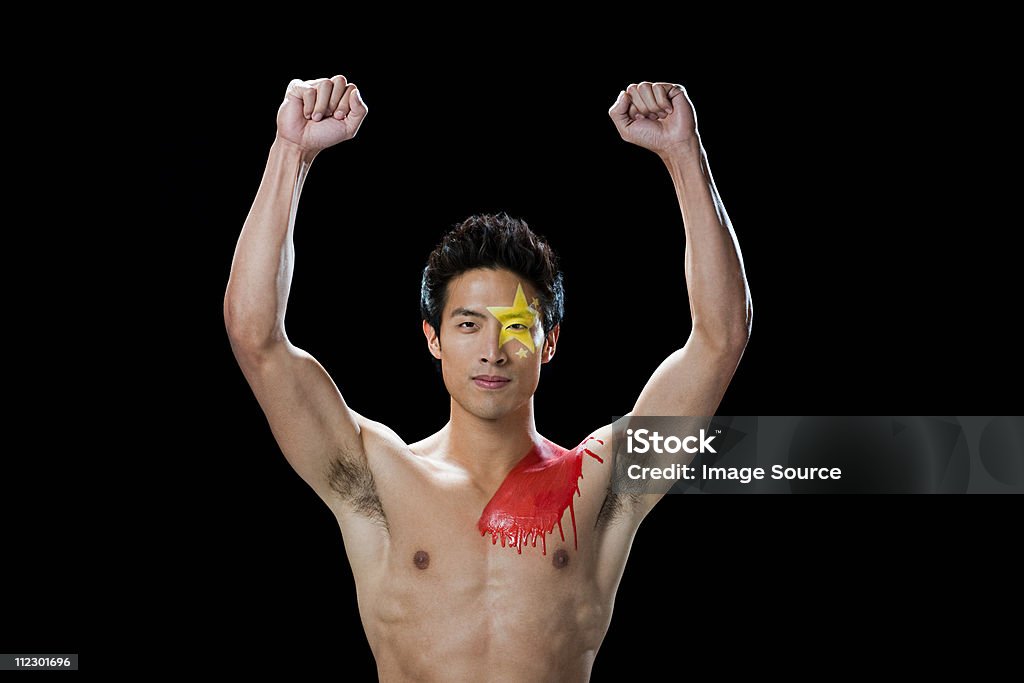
(378, 437)
(597, 440)
(593, 451)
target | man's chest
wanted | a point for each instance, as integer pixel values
(543, 507)
(439, 561)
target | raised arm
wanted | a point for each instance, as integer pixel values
(310, 420)
(693, 379)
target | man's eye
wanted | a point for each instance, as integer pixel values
(520, 325)
(466, 323)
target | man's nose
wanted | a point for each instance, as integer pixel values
(493, 353)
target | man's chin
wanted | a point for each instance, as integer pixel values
(490, 410)
(491, 414)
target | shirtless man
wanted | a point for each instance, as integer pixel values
(472, 548)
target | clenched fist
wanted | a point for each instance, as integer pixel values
(655, 116)
(319, 113)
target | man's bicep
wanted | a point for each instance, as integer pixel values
(309, 418)
(691, 381)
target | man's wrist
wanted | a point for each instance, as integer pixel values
(292, 150)
(684, 151)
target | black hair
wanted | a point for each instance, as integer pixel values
(493, 241)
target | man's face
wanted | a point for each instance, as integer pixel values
(491, 327)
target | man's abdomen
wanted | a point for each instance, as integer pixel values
(486, 613)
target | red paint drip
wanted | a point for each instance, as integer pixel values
(534, 496)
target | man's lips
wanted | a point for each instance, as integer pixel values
(491, 381)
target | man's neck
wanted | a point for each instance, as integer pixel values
(489, 449)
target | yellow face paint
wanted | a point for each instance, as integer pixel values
(511, 317)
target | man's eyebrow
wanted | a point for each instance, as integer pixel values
(467, 311)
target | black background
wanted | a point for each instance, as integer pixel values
(873, 294)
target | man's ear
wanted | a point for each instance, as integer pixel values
(550, 342)
(433, 341)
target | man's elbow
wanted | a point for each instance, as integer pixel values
(741, 334)
(735, 341)
(735, 336)
(249, 334)
(728, 338)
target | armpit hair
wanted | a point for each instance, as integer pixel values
(352, 480)
(615, 505)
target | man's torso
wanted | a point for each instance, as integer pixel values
(439, 600)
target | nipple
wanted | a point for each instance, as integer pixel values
(421, 559)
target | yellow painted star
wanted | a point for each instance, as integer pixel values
(522, 353)
(519, 313)
(535, 303)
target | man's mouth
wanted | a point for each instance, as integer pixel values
(491, 381)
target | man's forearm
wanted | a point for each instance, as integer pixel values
(261, 273)
(720, 303)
